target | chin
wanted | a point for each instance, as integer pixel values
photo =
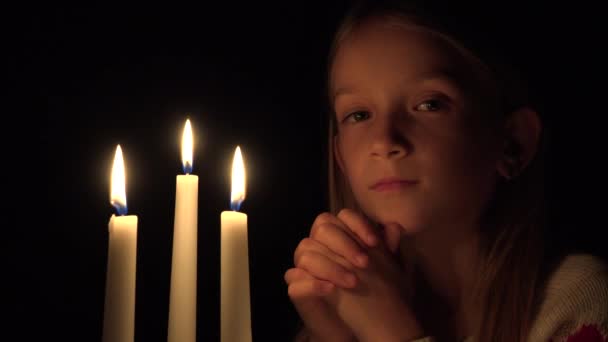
(410, 220)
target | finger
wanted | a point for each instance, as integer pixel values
(312, 245)
(296, 274)
(326, 218)
(341, 242)
(359, 225)
(306, 288)
(392, 236)
(313, 310)
(321, 267)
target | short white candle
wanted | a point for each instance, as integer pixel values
(119, 308)
(235, 304)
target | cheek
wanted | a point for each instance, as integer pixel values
(467, 172)
(350, 150)
(469, 162)
(470, 143)
(353, 159)
(456, 151)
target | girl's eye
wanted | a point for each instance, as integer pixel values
(431, 105)
(357, 116)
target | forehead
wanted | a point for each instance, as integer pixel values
(381, 50)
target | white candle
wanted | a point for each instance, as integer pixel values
(235, 305)
(182, 301)
(119, 309)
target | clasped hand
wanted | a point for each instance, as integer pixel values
(347, 283)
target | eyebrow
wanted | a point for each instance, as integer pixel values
(445, 76)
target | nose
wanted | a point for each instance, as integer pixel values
(388, 141)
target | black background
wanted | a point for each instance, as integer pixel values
(88, 78)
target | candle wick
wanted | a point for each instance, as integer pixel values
(235, 205)
(121, 210)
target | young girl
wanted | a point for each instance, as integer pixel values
(436, 224)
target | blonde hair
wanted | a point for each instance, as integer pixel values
(511, 246)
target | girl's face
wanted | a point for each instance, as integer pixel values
(414, 144)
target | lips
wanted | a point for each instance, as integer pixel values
(392, 184)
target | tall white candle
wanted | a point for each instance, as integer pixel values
(235, 303)
(182, 301)
(119, 309)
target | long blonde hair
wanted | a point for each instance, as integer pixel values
(514, 258)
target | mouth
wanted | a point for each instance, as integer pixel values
(392, 184)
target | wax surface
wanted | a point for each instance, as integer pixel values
(119, 308)
(182, 299)
(235, 303)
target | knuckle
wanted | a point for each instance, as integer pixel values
(344, 212)
(307, 243)
(300, 290)
(323, 217)
(304, 259)
(296, 255)
(314, 231)
(323, 229)
(292, 291)
(289, 274)
(299, 248)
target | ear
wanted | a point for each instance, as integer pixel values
(522, 137)
(337, 154)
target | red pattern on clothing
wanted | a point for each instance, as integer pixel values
(587, 333)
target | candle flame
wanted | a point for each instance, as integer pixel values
(118, 196)
(187, 143)
(238, 180)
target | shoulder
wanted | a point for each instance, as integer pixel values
(574, 300)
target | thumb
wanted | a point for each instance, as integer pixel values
(392, 236)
